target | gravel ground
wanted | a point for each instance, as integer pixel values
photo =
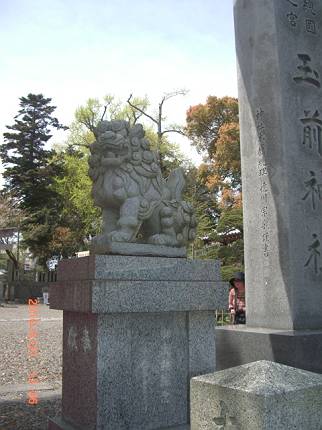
(15, 414)
(16, 366)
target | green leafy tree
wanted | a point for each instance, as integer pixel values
(29, 169)
(79, 219)
(87, 117)
(11, 217)
(231, 220)
(95, 110)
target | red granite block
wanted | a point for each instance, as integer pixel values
(80, 369)
(76, 269)
(52, 425)
(71, 295)
(58, 423)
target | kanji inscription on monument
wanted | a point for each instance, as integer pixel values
(280, 76)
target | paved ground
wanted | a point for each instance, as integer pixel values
(16, 366)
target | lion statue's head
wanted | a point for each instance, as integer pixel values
(118, 144)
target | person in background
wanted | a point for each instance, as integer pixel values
(237, 304)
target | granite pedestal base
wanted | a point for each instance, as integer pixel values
(236, 345)
(136, 329)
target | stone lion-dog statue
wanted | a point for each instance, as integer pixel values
(139, 205)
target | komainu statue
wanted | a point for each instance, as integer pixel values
(139, 206)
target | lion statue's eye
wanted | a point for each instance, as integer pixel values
(108, 135)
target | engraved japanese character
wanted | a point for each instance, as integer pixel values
(308, 75)
(314, 189)
(224, 421)
(310, 26)
(264, 211)
(312, 131)
(264, 187)
(265, 237)
(72, 339)
(314, 253)
(266, 249)
(292, 18)
(308, 6)
(293, 3)
(263, 171)
(259, 114)
(260, 125)
(264, 198)
(264, 192)
(264, 223)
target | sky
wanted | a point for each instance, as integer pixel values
(70, 50)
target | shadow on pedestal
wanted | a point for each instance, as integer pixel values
(236, 345)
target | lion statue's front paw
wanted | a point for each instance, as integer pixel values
(119, 236)
(163, 239)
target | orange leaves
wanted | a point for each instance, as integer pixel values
(204, 121)
(62, 238)
(227, 156)
(230, 199)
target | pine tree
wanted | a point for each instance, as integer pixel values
(29, 170)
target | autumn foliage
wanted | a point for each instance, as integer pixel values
(213, 128)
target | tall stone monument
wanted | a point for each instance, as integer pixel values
(279, 61)
(138, 316)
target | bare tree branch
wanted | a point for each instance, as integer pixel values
(140, 110)
(174, 130)
(161, 104)
(13, 258)
(159, 119)
(104, 112)
(82, 145)
(181, 92)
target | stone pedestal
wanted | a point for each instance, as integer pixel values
(261, 395)
(136, 329)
